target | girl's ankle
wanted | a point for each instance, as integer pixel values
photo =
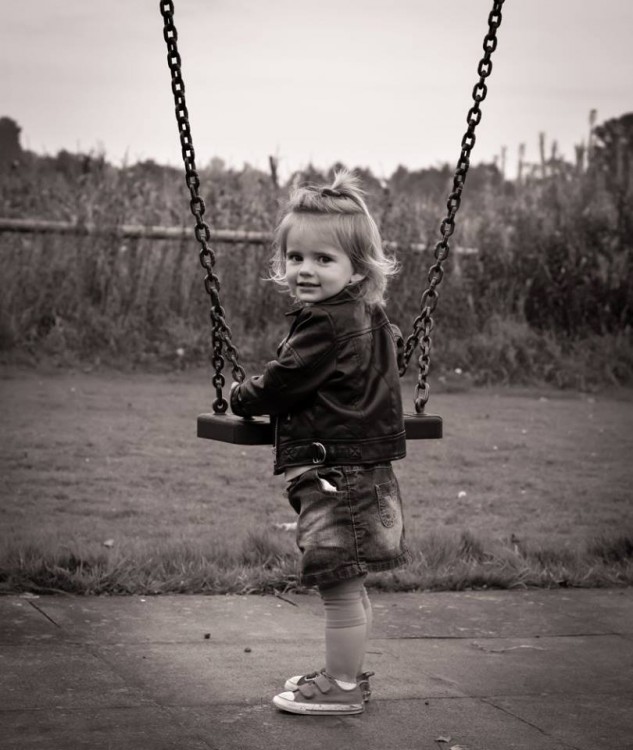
(345, 684)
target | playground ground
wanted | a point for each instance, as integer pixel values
(106, 489)
(497, 670)
(102, 474)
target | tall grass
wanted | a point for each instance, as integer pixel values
(548, 296)
(266, 562)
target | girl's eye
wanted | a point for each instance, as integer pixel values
(325, 259)
(293, 257)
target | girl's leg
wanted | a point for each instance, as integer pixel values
(369, 617)
(345, 628)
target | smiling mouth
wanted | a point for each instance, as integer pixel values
(307, 285)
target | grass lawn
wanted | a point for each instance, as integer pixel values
(528, 487)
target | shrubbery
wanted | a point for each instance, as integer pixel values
(548, 295)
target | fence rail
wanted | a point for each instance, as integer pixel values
(140, 231)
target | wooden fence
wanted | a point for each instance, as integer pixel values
(138, 231)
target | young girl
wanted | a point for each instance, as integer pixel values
(334, 394)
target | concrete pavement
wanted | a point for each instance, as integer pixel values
(487, 670)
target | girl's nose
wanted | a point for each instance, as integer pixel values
(305, 269)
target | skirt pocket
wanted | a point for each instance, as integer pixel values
(388, 503)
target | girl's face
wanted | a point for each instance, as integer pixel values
(317, 268)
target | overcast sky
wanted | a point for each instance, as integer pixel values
(373, 83)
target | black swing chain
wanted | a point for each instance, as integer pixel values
(220, 331)
(423, 324)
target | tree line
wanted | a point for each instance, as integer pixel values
(548, 294)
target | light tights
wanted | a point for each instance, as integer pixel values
(348, 619)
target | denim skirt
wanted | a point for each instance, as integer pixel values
(350, 522)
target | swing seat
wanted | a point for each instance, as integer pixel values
(423, 426)
(227, 428)
(239, 430)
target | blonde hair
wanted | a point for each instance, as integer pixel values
(342, 208)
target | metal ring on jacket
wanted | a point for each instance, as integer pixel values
(321, 454)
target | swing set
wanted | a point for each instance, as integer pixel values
(229, 428)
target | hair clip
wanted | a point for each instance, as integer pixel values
(331, 192)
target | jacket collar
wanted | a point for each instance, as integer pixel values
(347, 294)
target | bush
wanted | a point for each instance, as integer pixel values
(548, 295)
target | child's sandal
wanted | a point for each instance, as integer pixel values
(292, 683)
(321, 696)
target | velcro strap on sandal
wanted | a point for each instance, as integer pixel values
(320, 684)
(323, 683)
(307, 690)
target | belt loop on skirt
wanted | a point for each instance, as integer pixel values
(320, 455)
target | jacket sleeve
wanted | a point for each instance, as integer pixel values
(306, 360)
(399, 344)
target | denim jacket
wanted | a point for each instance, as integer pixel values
(333, 392)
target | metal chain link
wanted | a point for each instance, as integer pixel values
(423, 324)
(220, 332)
